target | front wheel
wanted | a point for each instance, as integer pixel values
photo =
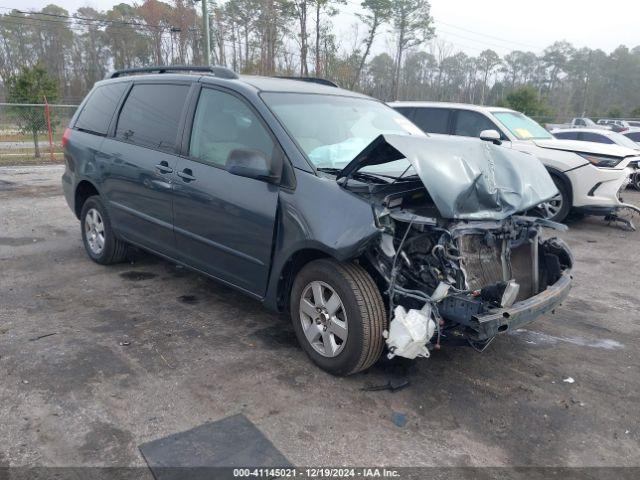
(558, 207)
(635, 180)
(338, 316)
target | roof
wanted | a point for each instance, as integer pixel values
(258, 83)
(273, 84)
(459, 106)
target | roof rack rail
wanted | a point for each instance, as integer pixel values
(321, 81)
(217, 71)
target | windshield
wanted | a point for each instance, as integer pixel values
(522, 126)
(332, 130)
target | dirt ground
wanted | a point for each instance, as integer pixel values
(96, 360)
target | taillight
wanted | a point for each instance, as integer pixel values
(65, 137)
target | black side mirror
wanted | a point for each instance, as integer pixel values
(250, 163)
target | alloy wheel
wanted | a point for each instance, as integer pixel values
(94, 231)
(324, 319)
(550, 208)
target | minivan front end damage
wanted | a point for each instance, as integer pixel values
(478, 279)
(458, 260)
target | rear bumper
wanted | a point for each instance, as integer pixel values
(522, 313)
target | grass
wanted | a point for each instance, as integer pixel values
(29, 159)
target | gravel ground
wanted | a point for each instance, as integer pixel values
(97, 360)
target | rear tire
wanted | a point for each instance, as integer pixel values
(356, 312)
(99, 240)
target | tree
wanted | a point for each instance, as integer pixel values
(324, 8)
(488, 61)
(31, 85)
(413, 26)
(375, 14)
(380, 72)
(555, 59)
(615, 112)
(525, 99)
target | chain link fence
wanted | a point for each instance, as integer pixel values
(25, 130)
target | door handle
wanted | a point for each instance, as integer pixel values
(186, 175)
(163, 167)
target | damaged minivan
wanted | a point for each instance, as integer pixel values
(375, 237)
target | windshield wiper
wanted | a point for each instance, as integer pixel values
(364, 175)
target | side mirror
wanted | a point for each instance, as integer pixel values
(491, 136)
(250, 163)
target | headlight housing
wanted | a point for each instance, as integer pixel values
(601, 161)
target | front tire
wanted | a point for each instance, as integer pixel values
(338, 316)
(557, 208)
(99, 240)
(635, 180)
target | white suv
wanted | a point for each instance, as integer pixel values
(589, 176)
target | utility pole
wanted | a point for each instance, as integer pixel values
(205, 30)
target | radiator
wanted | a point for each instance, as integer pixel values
(485, 265)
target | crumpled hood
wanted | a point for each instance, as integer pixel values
(586, 147)
(468, 179)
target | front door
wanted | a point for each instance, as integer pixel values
(224, 224)
(141, 159)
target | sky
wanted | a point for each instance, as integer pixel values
(475, 25)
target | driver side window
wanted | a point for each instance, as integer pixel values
(223, 123)
(471, 124)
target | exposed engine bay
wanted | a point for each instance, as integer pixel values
(441, 276)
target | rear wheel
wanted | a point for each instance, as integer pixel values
(98, 237)
(338, 316)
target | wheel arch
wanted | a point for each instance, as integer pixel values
(84, 190)
(560, 175)
(296, 261)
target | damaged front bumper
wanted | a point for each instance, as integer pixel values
(499, 320)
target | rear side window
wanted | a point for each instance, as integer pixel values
(151, 114)
(97, 112)
(594, 137)
(432, 120)
(566, 135)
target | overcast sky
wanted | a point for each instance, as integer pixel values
(474, 25)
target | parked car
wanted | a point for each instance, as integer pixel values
(608, 137)
(317, 201)
(615, 125)
(589, 176)
(578, 122)
(633, 134)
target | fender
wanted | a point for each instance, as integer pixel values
(563, 178)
